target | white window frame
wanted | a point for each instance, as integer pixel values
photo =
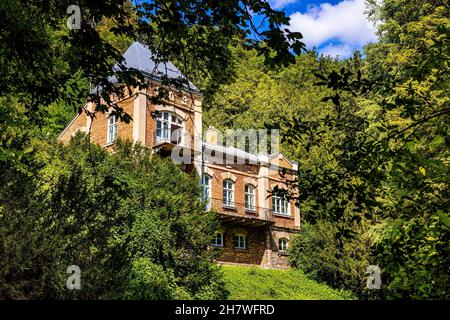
(206, 189)
(250, 197)
(113, 128)
(228, 193)
(216, 243)
(283, 247)
(281, 206)
(241, 242)
(165, 127)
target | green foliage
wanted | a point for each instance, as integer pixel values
(270, 284)
(262, 97)
(147, 280)
(36, 69)
(38, 53)
(322, 255)
(371, 139)
(415, 254)
(134, 224)
(389, 156)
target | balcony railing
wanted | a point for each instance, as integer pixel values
(168, 137)
(172, 138)
(240, 209)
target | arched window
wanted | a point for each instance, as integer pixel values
(228, 193)
(280, 205)
(113, 127)
(206, 186)
(283, 244)
(218, 239)
(169, 128)
(249, 197)
(240, 242)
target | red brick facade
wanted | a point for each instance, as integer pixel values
(262, 227)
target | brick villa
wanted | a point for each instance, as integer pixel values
(255, 227)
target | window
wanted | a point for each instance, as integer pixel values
(280, 205)
(239, 241)
(218, 240)
(112, 128)
(169, 128)
(249, 197)
(206, 184)
(283, 244)
(228, 193)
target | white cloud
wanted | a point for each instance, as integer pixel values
(337, 50)
(278, 4)
(344, 23)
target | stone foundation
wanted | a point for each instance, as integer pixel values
(261, 247)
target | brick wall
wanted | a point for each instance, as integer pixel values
(99, 131)
(78, 124)
(262, 247)
(239, 192)
(256, 246)
(262, 243)
(220, 174)
(177, 105)
(278, 259)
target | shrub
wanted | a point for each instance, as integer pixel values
(318, 252)
(149, 281)
(414, 257)
(134, 224)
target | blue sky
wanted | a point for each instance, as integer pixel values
(334, 27)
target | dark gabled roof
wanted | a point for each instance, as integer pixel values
(138, 56)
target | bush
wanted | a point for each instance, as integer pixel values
(317, 251)
(149, 281)
(134, 224)
(414, 257)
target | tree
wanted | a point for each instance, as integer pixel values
(263, 96)
(197, 34)
(135, 225)
(388, 161)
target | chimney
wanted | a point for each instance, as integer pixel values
(211, 135)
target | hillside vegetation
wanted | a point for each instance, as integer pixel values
(264, 284)
(370, 135)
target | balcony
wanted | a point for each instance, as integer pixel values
(166, 137)
(166, 141)
(239, 213)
